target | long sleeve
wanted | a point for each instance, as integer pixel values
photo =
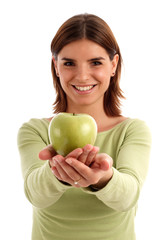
(41, 187)
(130, 168)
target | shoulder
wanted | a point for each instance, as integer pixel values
(137, 129)
(135, 124)
(36, 124)
(34, 128)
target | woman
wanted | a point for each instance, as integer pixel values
(92, 193)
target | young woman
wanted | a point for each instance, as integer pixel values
(93, 192)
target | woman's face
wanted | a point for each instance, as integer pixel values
(84, 69)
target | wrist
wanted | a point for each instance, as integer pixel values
(103, 181)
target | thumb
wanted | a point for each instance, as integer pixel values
(47, 153)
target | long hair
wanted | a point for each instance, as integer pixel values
(91, 27)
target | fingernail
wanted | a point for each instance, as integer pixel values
(68, 160)
(56, 159)
(59, 159)
(95, 149)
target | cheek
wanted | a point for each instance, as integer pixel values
(65, 74)
(63, 84)
(65, 79)
(103, 76)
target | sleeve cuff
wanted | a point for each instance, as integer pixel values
(110, 187)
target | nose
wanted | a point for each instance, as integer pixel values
(83, 73)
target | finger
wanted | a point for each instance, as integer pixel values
(70, 172)
(88, 176)
(91, 156)
(83, 170)
(75, 153)
(47, 153)
(102, 161)
(56, 173)
(60, 173)
(54, 160)
(86, 150)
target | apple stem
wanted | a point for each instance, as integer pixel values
(74, 114)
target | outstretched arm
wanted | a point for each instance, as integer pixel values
(41, 187)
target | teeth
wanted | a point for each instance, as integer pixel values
(84, 88)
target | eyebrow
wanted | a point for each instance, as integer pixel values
(67, 59)
(90, 60)
(96, 59)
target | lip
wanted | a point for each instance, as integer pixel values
(83, 92)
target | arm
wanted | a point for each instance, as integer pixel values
(122, 191)
(41, 187)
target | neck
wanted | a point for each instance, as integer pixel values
(97, 113)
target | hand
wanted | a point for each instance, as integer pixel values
(85, 155)
(76, 173)
(70, 170)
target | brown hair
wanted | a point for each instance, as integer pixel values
(91, 27)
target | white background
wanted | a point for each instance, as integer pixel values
(26, 91)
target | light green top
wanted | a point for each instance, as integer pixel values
(62, 212)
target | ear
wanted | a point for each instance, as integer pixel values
(115, 63)
(55, 66)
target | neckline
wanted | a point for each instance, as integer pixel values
(116, 126)
(102, 132)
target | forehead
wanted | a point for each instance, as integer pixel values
(84, 48)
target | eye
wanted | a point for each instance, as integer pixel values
(96, 63)
(68, 64)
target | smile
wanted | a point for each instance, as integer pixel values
(82, 89)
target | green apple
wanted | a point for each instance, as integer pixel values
(68, 131)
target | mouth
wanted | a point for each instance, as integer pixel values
(84, 88)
